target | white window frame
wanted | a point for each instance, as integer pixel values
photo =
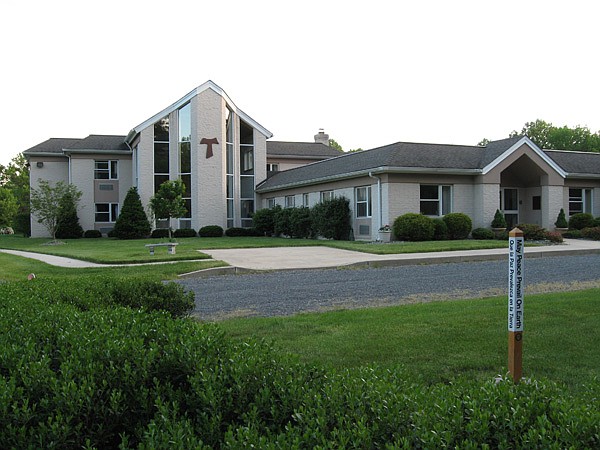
(326, 195)
(367, 201)
(271, 202)
(290, 201)
(113, 212)
(305, 200)
(442, 208)
(272, 167)
(586, 199)
(111, 169)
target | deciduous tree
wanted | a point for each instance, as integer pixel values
(45, 202)
(168, 202)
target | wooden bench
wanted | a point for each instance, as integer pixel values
(170, 249)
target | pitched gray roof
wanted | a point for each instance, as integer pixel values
(398, 156)
(98, 142)
(52, 145)
(576, 162)
(303, 150)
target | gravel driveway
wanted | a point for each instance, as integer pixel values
(289, 292)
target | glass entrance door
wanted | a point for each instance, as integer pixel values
(509, 203)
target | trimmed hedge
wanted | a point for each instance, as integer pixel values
(92, 234)
(532, 232)
(413, 227)
(459, 225)
(263, 220)
(185, 233)
(160, 233)
(120, 378)
(440, 232)
(483, 233)
(211, 231)
(241, 232)
(591, 233)
(580, 221)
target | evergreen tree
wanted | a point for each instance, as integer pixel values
(68, 226)
(132, 222)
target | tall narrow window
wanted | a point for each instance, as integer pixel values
(230, 163)
(326, 195)
(305, 200)
(290, 201)
(436, 200)
(580, 201)
(185, 161)
(246, 173)
(363, 201)
(161, 152)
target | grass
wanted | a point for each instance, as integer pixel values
(116, 251)
(438, 341)
(15, 268)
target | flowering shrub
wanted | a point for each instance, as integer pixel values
(554, 236)
(7, 230)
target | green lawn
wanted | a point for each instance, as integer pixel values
(15, 268)
(125, 251)
(441, 340)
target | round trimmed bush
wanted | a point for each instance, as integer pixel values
(92, 234)
(211, 231)
(414, 227)
(580, 221)
(459, 225)
(532, 232)
(440, 232)
(160, 233)
(184, 233)
(573, 234)
(591, 233)
(483, 233)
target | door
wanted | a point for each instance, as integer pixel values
(509, 204)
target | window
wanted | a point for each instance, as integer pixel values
(229, 163)
(363, 201)
(305, 200)
(161, 152)
(272, 167)
(185, 161)
(536, 203)
(436, 200)
(271, 202)
(106, 212)
(246, 173)
(580, 201)
(290, 201)
(106, 170)
(326, 195)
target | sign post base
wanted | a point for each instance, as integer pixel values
(515, 355)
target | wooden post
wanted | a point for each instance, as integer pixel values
(516, 287)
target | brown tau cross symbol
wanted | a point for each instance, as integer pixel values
(209, 143)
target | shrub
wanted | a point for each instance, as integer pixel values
(7, 230)
(159, 233)
(414, 227)
(300, 222)
(596, 222)
(211, 231)
(241, 232)
(68, 226)
(499, 220)
(573, 234)
(187, 233)
(331, 219)
(263, 220)
(22, 224)
(591, 233)
(132, 222)
(92, 234)
(459, 225)
(440, 230)
(483, 233)
(502, 236)
(561, 220)
(283, 222)
(555, 237)
(580, 221)
(532, 232)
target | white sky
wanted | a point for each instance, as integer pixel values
(369, 72)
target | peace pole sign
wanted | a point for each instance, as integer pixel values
(516, 285)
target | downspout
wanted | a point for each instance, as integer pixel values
(379, 200)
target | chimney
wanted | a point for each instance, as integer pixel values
(321, 137)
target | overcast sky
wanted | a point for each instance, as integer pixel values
(369, 72)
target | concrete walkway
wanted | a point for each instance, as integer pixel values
(289, 258)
